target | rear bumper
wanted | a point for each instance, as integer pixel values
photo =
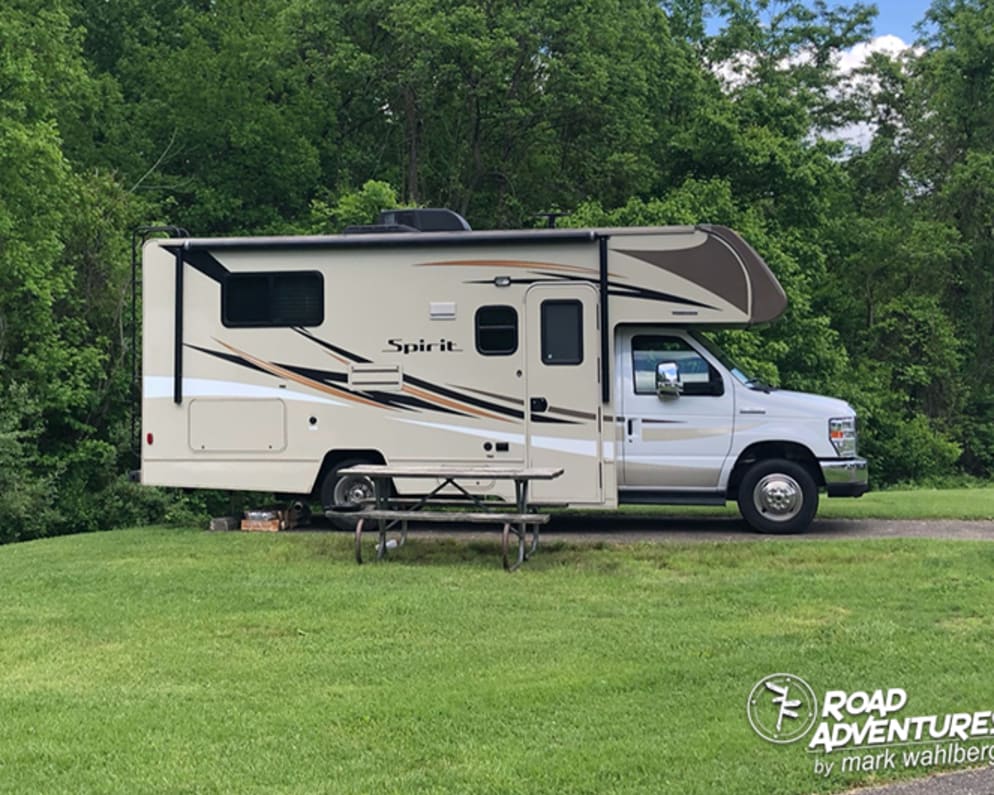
(845, 477)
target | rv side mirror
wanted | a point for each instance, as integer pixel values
(668, 380)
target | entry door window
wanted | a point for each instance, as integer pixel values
(562, 332)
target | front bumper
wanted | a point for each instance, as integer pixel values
(845, 477)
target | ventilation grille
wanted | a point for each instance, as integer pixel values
(376, 377)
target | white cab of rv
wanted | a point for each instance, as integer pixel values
(272, 363)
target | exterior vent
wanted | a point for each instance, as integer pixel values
(370, 377)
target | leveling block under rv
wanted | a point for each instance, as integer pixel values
(272, 363)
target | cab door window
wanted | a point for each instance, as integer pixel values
(698, 376)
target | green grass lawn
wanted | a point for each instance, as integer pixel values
(969, 503)
(162, 660)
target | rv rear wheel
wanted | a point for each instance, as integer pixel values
(778, 496)
(345, 491)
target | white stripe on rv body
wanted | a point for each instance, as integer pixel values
(161, 386)
(583, 447)
(497, 436)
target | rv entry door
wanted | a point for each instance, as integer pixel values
(562, 401)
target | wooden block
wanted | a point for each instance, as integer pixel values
(262, 525)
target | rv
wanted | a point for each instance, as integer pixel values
(272, 363)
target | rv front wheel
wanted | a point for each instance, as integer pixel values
(778, 496)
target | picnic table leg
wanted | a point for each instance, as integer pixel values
(533, 547)
(521, 498)
(381, 544)
(509, 529)
(358, 540)
(380, 490)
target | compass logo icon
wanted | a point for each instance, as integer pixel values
(782, 708)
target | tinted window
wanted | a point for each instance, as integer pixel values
(273, 299)
(562, 332)
(496, 330)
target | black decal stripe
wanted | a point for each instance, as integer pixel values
(410, 403)
(330, 379)
(324, 380)
(422, 384)
(391, 399)
(470, 401)
(516, 281)
(581, 415)
(323, 383)
(633, 291)
(552, 420)
(626, 291)
(228, 357)
(614, 288)
(508, 398)
(315, 374)
(333, 348)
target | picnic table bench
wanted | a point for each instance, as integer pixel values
(514, 518)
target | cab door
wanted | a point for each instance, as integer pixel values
(673, 442)
(562, 404)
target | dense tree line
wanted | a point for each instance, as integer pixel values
(281, 116)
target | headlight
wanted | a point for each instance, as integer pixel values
(842, 435)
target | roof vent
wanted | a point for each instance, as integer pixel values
(425, 219)
(415, 219)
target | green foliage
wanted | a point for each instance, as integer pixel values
(352, 207)
(265, 116)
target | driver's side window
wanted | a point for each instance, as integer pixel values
(696, 374)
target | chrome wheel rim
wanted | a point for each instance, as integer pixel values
(353, 491)
(778, 497)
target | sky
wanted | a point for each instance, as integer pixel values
(897, 17)
(893, 31)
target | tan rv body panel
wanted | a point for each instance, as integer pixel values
(394, 364)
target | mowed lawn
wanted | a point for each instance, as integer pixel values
(159, 660)
(963, 503)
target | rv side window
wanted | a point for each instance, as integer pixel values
(562, 332)
(289, 298)
(496, 330)
(696, 374)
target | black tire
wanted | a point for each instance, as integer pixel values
(340, 494)
(778, 496)
(345, 492)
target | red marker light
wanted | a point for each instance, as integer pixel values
(149, 438)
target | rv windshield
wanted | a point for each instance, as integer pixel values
(729, 363)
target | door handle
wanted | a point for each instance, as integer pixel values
(539, 404)
(631, 425)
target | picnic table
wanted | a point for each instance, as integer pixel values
(515, 519)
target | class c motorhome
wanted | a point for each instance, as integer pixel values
(272, 363)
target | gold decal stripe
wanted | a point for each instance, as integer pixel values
(273, 369)
(452, 404)
(506, 263)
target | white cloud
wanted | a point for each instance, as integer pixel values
(736, 72)
(856, 56)
(860, 134)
